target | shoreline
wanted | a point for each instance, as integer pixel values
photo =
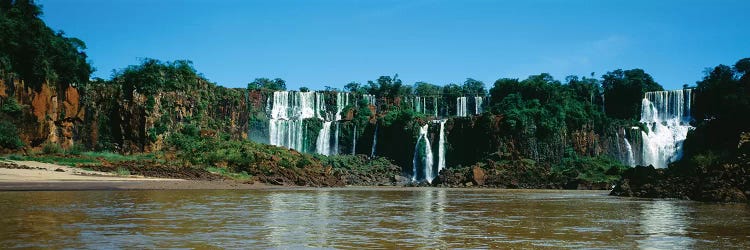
(39, 176)
(127, 185)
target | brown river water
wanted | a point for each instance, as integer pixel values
(364, 218)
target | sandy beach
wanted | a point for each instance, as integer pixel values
(30, 175)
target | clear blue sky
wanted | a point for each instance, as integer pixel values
(319, 43)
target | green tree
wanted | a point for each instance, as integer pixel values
(426, 89)
(720, 110)
(152, 76)
(354, 87)
(9, 136)
(385, 86)
(34, 51)
(277, 84)
(474, 87)
(624, 90)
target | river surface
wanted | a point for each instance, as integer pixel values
(364, 218)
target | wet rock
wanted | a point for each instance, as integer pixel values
(400, 180)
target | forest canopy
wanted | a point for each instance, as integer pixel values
(34, 52)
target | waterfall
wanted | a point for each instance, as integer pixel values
(288, 109)
(354, 140)
(478, 105)
(666, 114)
(374, 140)
(425, 161)
(617, 142)
(629, 159)
(323, 144)
(435, 106)
(441, 147)
(336, 140)
(342, 100)
(370, 99)
(461, 106)
(320, 106)
(420, 105)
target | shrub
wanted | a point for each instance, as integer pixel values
(11, 106)
(51, 148)
(9, 136)
(122, 171)
(77, 149)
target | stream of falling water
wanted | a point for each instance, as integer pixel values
(422, 156)
(666, 114)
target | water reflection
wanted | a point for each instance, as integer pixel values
(666, 225)
(364, 218)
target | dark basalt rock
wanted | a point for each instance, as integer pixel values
(721, 183)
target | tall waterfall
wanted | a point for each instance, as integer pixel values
(461, 106)
(288, 109)
(420, 104)
(435, 106)
(441, 147)
(629, 157)
(478, 105)
(354, 140)
(323, 144)
(374, 140)
(342, 100)
(666, 114)
(423, 156)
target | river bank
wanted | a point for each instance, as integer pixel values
(39, 176)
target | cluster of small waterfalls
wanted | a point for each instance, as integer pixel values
(288, 109)
(462, 104)
(665, 115)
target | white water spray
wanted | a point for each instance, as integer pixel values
(666, 114)
(323, 144)
(426, 161)
(441, 147)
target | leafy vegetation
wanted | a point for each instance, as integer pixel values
(11, 107)
(84, 158)
(268, 84)
(541, 106)
(623, 92)
(720, 115)
(152, 76)
(600, 169)
(36, 53)
(9, 136)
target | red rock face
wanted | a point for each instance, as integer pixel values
(3, 88)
